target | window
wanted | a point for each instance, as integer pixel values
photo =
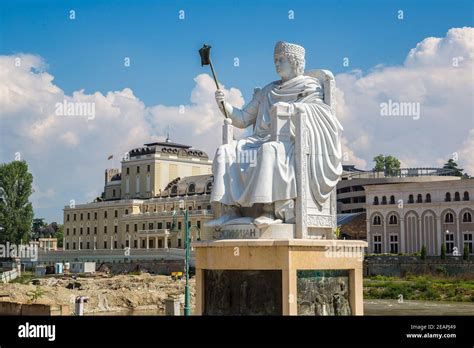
(376, 200)
(137, 184)
(74, 231)
(179, 242)
(88, 216)
(468, 241)
(88, 245)
(67, 245)
(377, 244)
(95, 215)
(127, 228)
(174, 190)
(428, 198)
(449, 242)
(105, 244)
(116, 213)
(410, 199)
(467, 217)
(198, 224)
(135, 244)
(115, 244)
(128, 171)
(105, 229)
(377, 220)
(150, 226)
(115, 229)
(447, 197)
(179, 225)
(394, 244)
(67, 231)
(67, 217)
(95, 229)
(209, 187)
(384, 200)
(160, 225)
(208, 207)
(191, 189)
(74, 245)
(392, 199)
(393, 220)
(113, 193)
(126, 211)
(135, 227)
(80, 231)
(419, 198)
(74, 217)
(138, 170)
(199, 207)
(80, 245)
(88, 230)
(105, 214)
(449, 218)
(82, 216)
(148, 168)
(143, 226)
(457, 197)
(168, 225)
(466, 196)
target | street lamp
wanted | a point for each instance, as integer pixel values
(187, 307)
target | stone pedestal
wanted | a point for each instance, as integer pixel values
(279, 277)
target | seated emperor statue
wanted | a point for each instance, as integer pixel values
(267, 185)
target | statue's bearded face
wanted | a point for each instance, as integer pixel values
(283, 67)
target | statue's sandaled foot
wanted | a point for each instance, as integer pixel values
(231, 214)
(266, 220)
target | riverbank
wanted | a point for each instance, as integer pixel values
(419, 288)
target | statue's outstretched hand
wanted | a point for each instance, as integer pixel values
(220, 97)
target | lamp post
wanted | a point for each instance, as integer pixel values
(187, 307)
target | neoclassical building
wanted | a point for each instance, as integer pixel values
(140, 207)
(403, 217)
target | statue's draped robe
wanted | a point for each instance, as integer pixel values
(256, 169)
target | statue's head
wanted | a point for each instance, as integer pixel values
(289, 60)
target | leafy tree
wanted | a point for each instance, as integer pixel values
(465, 252)
(443, 251)
(16, 212)
(390, 165)
(423, 252)
(451, 164)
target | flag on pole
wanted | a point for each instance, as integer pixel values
(110, 157)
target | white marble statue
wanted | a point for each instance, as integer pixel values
(259, 171)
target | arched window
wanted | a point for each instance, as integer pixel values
(191, 189)
(448, 197)
(449, 218)
(419, 198)
(376, 200)
(466, 196)
(392, 199)
(410, 199)
(457, 196)
(467, 217)
(384, 200)
(377, 220)
(428, 198)
(174, 190)
(393, 220)
(209, 187)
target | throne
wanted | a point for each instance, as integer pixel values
(313, 221)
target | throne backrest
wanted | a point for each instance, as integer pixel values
(326, 78)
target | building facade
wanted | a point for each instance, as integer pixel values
(143, 203)
(404, 217)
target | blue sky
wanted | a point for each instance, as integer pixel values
(139, 102)
(89, 51)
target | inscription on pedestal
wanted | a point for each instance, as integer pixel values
(236, 292)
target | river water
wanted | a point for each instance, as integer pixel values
(373, 308)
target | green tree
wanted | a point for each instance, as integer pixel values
(16, 212)
(465, 252)
(454, 166)
(423, 252)
(59, 234)
(443, 251)
(390, 165)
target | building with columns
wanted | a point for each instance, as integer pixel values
(403, 217)
(140, 205)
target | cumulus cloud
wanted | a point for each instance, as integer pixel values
(437, 74)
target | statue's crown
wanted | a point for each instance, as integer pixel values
(284, 48)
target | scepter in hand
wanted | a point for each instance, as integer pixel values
(205, 53)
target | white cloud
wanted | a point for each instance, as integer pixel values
(437, 73)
